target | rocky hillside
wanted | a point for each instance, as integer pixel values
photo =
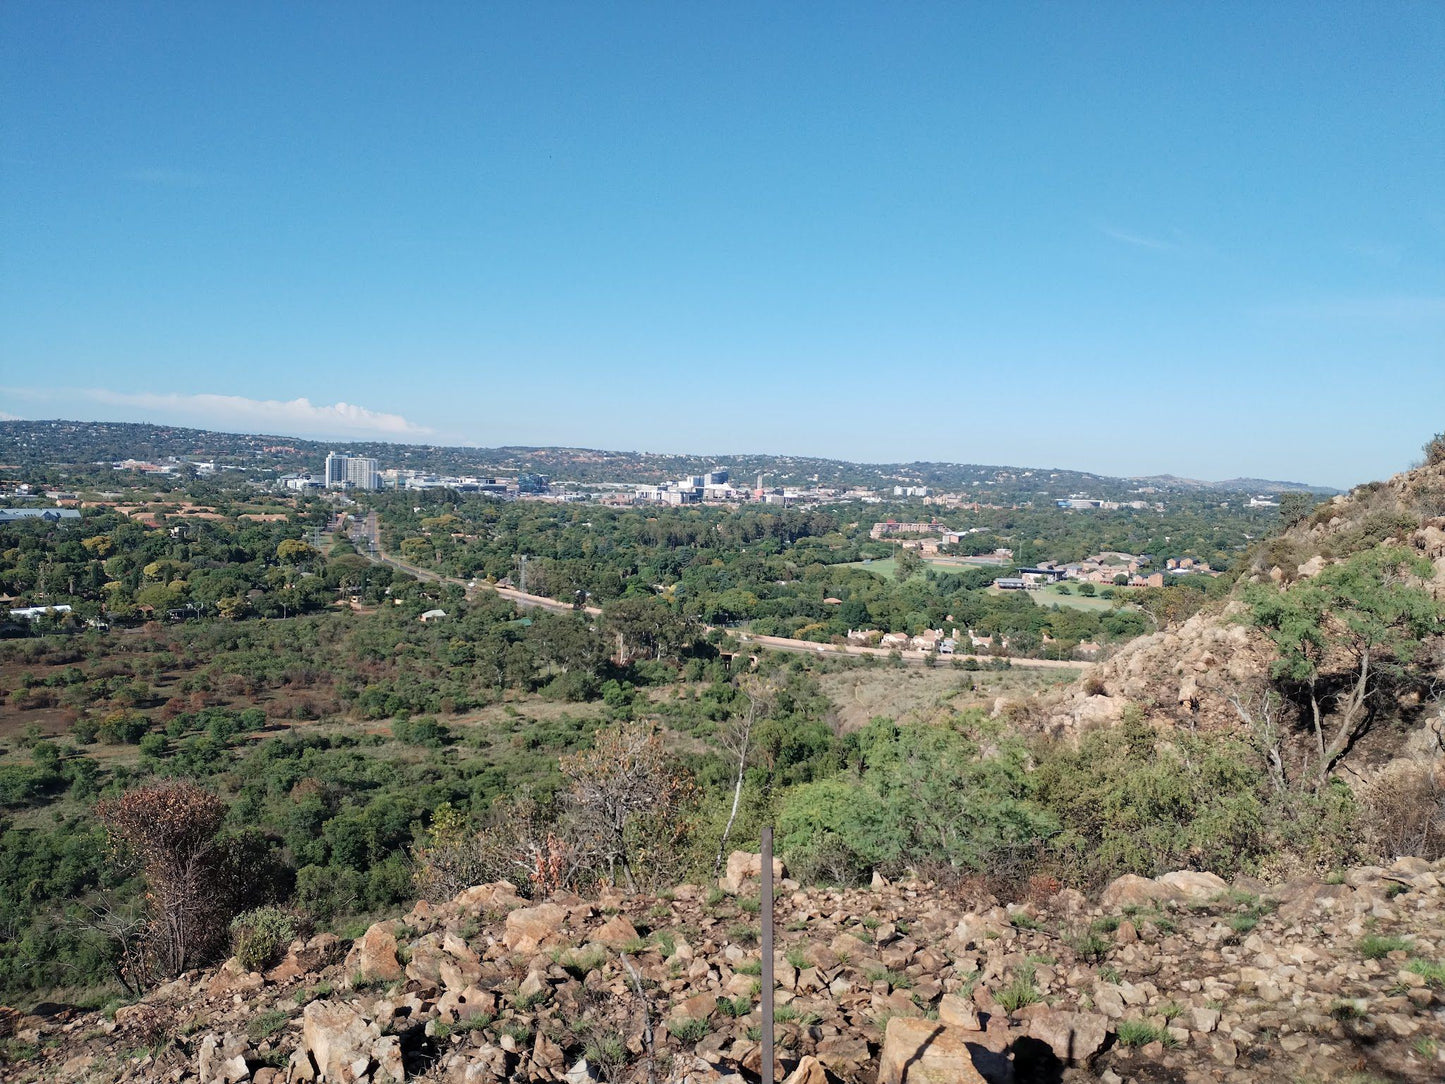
(1193, 674)
(1183, 978)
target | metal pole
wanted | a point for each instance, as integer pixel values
(766, 882)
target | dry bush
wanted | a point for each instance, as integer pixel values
(629, 801)
(169, 831)
(518, 842)
(1405, 810)
(1435, 450)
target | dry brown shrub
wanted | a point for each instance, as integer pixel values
(169, 831)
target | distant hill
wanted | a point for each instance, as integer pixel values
(63, 442)
(1238, 485)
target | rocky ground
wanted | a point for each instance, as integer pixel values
(1183, 978)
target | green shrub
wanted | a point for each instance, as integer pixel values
(1435, 450)
(1374, 947)
(1141, 1033)
(688, 1031)
(1020, 991)
(260, 937)
(265, 1024)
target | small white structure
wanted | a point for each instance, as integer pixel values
(34, 613)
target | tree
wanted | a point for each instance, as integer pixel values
(1295, 506)
(906, 564)
(294, 551)
(736, 740)
(647, 624)
(1345, 637)
(625, 779)
(170, 831)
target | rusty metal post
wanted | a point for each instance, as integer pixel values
(766, 884)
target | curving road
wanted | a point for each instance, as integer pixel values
(366, 534)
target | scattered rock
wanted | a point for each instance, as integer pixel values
(926, 1052)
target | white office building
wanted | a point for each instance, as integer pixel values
(351, 472)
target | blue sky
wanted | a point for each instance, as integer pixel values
(1134, 238)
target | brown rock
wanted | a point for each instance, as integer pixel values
(958, 1013)
(697, 1007)
(842, 1053)
(743, 867)
(373, 955)
(1073, 1036)
(1194, 887)
(615, 932)
(809, 1071)
(1131, 890)
(486, 897)
(926, 1052)
(337, 1037)
(530, 927)
(546, 1053)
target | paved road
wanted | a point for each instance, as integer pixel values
(367, 535)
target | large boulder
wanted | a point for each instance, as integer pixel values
(221, 1059)
(373, 955)
(344, 1045)
(1193, 887)
(528, 928)
(1131, 890)
(926, 1052)
(1073, 1036)
(743, 867)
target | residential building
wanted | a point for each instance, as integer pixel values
(351, 472)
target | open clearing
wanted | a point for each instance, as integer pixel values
(921, 694)
(1049, 596)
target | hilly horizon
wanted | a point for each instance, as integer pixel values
(117, 440)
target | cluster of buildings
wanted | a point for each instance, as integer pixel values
(717, 487)
(936, 642)
(351, 472)
(1076, 504)
(354, 472)
(1109, 569)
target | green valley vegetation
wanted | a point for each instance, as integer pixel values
(311, 719)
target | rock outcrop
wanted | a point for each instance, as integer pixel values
(1176, 978)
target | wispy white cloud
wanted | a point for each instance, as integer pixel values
(1139, 240)
(300, 416)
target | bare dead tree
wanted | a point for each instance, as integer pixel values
(736, 740)
(626, 778)
(128, 933)
(1261, 714)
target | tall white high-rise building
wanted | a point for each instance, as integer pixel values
(350, 471)
(335, 471)
(361, 473)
